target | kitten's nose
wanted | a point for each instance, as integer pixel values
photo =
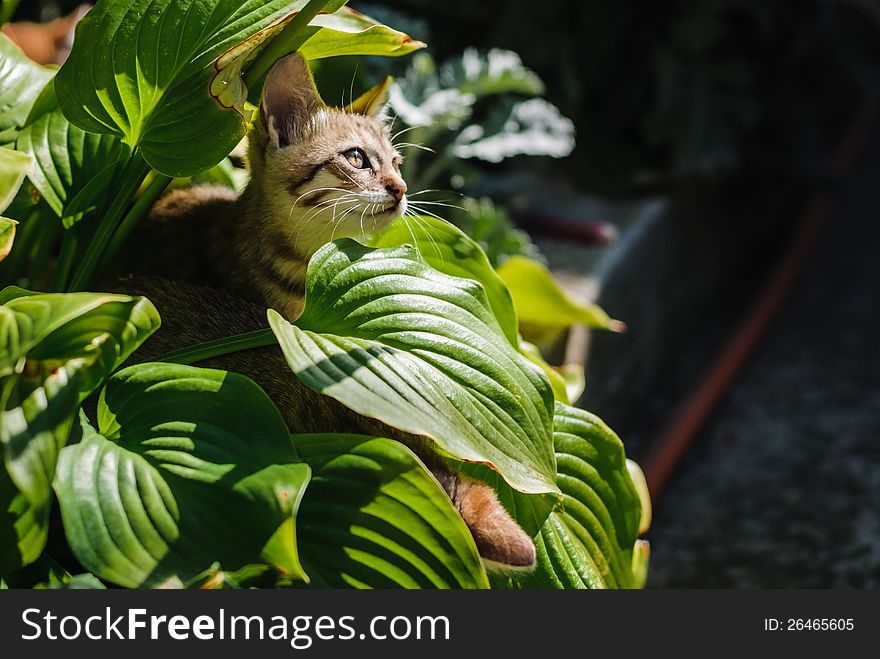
(396, 189)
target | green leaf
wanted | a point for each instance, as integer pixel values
(54, 350)
(541, 303)
(14, 166)
(23, 528)
(67, 158)
(7, 235)
(447, 249)
(348, 32)
(641, 485)
(47, 573)
(143, 69)
(589, 541)
(76, 582)
(21, 81)
(336, 31)
(497, 71)
(395, 340)
(374, 517)
(533, 128)
(188, 467)
(531, 352)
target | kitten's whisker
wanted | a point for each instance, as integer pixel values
(427, 212)
(427, 229)
(405, 218)
(349, 197)
(348, 176)
(351, 86)
(314, 190)
(405, 130)
(364, 212)
(338, 223)
(416, 194)
(439, 203)
(420, 222)
(410, 145)
(363, 231)
(319, 207)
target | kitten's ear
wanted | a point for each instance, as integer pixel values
(372, 102)
(290, 99)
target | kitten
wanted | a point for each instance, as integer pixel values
(212, 263)
(317, 173)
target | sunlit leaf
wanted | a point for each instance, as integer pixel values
(374, 517)
(142, 70)
(447, 249)
(187, 466)
(14, 166)
(540, 302)
(66, 158)
(54, 350)
(21, 81)
(588, 542)
(7, 235)
(393, 339)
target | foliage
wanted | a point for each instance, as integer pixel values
(479, 107)
(180, 476)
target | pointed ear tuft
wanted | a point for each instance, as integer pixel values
(290, 99)
(372, 102)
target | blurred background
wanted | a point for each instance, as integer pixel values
(709, 173)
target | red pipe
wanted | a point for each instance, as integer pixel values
(697, 406)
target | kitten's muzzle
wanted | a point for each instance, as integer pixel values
(396, 189)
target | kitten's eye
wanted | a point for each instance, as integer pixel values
(357, 158)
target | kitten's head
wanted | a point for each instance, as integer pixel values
(321, 173)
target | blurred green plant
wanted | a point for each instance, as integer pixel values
(474, 109)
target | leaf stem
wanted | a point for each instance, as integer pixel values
(290, 39)
(133, 174)
(236, 343)
(154, 189)
(66, 256)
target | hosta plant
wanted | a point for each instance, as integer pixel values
(165, 473)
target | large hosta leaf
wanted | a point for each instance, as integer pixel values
(396, 340)
(66, 157)
(589, 541)
(141, 70)
(187, 467)
(21, 81)
(447, 249)
(144, 69)
(54, 350)
(374, 517)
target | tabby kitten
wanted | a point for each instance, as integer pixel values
(317, 173)
(212, 263)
